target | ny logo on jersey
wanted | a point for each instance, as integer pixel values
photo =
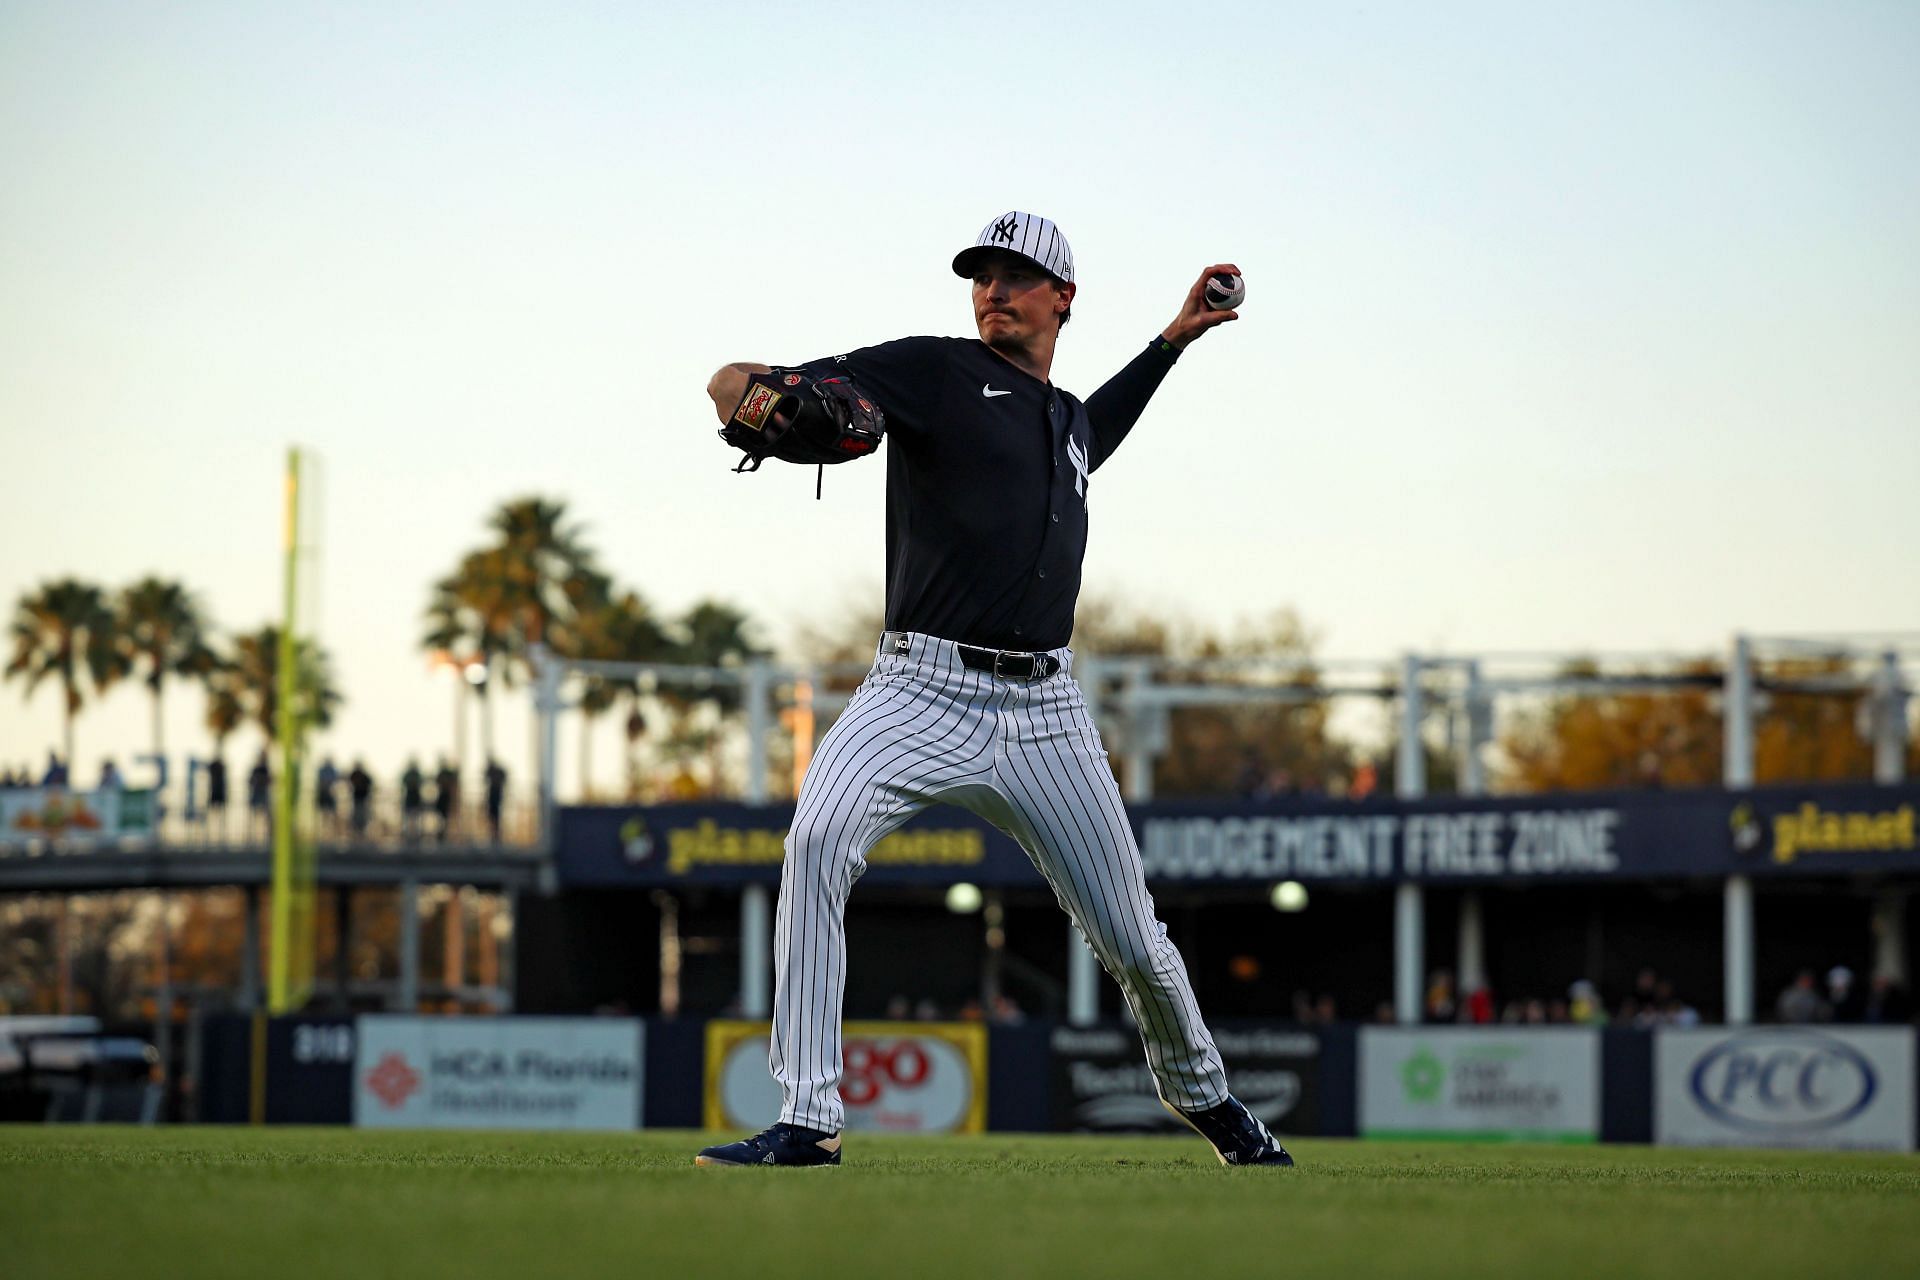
(1078, 457)
(1003, 230)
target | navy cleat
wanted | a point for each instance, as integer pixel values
(783, 1144)
(1237, 1135)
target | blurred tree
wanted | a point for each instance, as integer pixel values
(617, 629)
(1251, 749)
(547, 569)
(710, 634)
(224, 712)
(161, 627)
(251, 681)
(528, 587)
(66, 630)
(1677, 739)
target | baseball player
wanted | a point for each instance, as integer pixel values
(971, 699)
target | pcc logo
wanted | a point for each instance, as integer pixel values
(1783, 1082)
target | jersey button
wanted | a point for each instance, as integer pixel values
(1056, 517)
(1043, 573)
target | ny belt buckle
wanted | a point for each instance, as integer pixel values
(1028, 658)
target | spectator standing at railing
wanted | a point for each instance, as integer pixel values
(360, 792)
(326, 799)
(217, 798)
(496, 797)
(446, 798)
(259, 789)
(412, 801)
(110, 776)
(56, 774)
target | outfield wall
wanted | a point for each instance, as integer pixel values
(1827, 1087)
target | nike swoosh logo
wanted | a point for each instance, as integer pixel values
(986, 389)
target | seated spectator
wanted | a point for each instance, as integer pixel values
(1584, 1006)
(1800, 1004)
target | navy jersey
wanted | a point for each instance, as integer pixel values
(988, 476)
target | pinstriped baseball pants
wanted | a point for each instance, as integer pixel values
(923, 729)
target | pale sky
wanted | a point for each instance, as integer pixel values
(1569, 327)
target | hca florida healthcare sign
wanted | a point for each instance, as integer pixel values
(1785, 1087)
(896, 1077)
(1535, 1084)
(498, 1073)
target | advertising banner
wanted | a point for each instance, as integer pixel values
(899, 1077)
(1101, 1083)
(63, 819)
(745, 844)
(1538, 1084)
(498, 1073)
(1783, 831)
(1784, 1087)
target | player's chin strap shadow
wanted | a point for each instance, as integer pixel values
(750, 463)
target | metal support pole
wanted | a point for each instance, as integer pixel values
(1473, 765)
(1890, 958)
(993, 919)
(250, 949)
(1409, 952)
(407, 999)
(1739, 951)
(509, 969)
(1889, 722)
(1737, 773)
(1140, 737)
(546, 711)
(1409, 901)
(1737, 769)
(1471, 963)
(759, 699)
(453, 949)
(163, 997)
(343, 945)
(756, 946)
(1083, 981)
(1410, 777)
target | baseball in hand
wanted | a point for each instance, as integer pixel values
(1225, 291)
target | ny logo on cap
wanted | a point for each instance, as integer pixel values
(1003, 230)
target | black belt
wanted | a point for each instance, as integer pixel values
(1006, 664)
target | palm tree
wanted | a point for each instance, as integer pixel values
(252, 682)
(472, 615)
(619, 629)
(549, 568)
(161, 625)
(711, 634)
(65, 630)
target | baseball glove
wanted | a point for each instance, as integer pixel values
(788, 415)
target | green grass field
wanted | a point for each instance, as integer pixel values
(341, 1202)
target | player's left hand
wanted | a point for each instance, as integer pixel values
(1196, 317)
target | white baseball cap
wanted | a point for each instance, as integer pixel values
(1029, 235)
